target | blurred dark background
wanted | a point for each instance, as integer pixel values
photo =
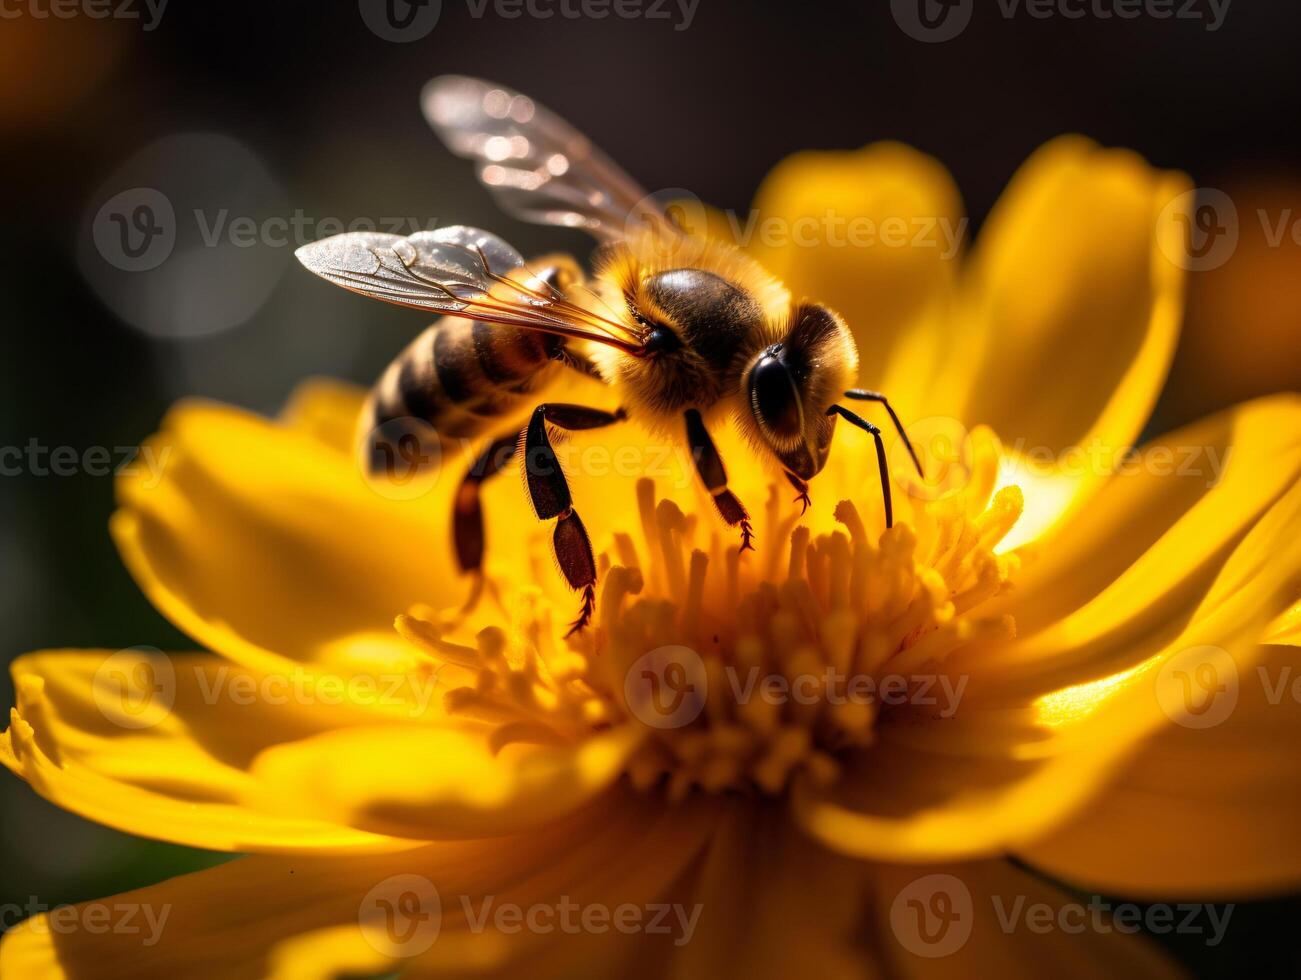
(291, 108)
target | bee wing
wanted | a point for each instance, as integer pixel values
(537, 166)
(438, 270)
(458, 270)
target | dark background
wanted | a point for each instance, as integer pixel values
(267, 108)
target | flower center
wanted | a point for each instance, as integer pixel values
(742, 672)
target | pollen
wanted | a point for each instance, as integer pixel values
(739, 671)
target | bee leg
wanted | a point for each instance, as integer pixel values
(802, 489)
(467, 512)
(549, 493)
(876, 396)
(709, 464)
(867, 426)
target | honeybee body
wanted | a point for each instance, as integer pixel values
(458, 380)
(683, 328)
(462, 378)
(704, 320)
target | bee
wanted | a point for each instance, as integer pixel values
(686, 329)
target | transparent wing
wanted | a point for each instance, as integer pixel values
(438, 270)
(537, 166)
(459, 270)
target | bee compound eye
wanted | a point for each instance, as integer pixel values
(661, 340)
(774, 397)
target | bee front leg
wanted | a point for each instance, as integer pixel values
(802, 489)
(709, 464)
(549, 492)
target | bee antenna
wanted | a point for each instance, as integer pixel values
(875, 396)
(867, 426)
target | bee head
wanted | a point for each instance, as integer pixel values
(789, 386)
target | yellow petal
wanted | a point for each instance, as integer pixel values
(876, 235)
(1286, 628)
(1142, 555)
(435, 783)
(991, 919)
(1071, 311)
(162, 747)
(906, 803)
(439, 909)
(776, 905)
(326, 409)
(802, 910)
(1201, 811)
(263, 542)
(1009, 766)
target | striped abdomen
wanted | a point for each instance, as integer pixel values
(458, 379)
(459, 376)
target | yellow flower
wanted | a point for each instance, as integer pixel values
(1049, 639)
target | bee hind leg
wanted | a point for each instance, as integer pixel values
(549, 493)
(467, 511)
(709, 465)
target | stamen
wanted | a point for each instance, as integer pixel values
(766, 650)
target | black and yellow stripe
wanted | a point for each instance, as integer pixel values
(461, 377)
